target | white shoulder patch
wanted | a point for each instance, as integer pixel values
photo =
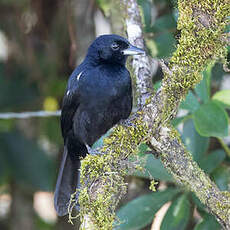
(79, 75)
(78, 78)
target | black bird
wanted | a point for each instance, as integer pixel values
(98, 96)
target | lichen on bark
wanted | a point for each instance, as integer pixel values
(102, 180)
(202, 25)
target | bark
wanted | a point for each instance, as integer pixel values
(202, 24)
(158, 112)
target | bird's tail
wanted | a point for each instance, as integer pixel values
(67, 182)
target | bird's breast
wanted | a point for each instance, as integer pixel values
(104, 100)
(103, 90)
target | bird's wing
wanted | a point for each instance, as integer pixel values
(70, 103)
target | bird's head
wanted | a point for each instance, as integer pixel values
(112, 49)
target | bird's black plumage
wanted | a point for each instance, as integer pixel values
(98, 96)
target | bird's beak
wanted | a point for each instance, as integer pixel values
(132, 50)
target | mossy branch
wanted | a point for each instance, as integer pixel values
(202, 24)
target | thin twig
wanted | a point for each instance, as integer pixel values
(26, 115)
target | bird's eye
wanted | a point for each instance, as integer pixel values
(115, 46)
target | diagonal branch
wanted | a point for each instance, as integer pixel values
(201, 24)
(193, 53)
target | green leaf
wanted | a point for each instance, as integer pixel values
(152, 48)
(176, 121)
(212, 160)
(227, 28)
(165, 43)
(157, 85)
(28, 164)
(203, 88)
(217, 74)
(165, 22)
(211, 120)
(175, 11)
(208, 223)
(223, 97)
(142, 149)
(190, 103)
(200, 207)
(153, 168)
(177, 216)
(221, 176)
(196, 144)
(140, 212)
(146, 13)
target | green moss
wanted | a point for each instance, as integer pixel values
(102, 176)
(223, 205)
(201, 24)
(174, 134)
(226, 194)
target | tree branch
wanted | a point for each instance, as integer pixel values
(201, 24)
(197, 47)
(140, 64)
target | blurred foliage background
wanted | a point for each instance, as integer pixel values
(41, 41)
